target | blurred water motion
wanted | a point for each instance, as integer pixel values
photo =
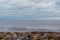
(37, 25)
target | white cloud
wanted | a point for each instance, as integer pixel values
(3, 0)
(42, 5)
(28, 8)
(20, 2)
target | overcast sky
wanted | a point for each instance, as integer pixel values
(29, 9)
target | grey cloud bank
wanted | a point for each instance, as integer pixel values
(33, 9)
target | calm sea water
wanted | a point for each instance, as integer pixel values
(30, 25)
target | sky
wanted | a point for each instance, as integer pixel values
(29, 9)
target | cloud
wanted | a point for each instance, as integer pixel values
(43, 5)
(3, 0)
(33, 9)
